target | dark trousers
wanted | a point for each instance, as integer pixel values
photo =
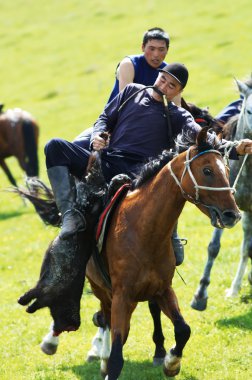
(60, 152)
(83, 140)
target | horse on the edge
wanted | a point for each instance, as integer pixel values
(19, 138)
(138, 252)
(238, 127)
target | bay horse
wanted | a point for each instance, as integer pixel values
(19, 138)
(138, 252)
(236, 128)
(48, 212)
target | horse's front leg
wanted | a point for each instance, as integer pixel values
(121, 312)
(246, 252)
(199, 301)
(169, 305)
(158, 336)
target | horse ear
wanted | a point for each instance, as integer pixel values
(242, 87)
(202, 137)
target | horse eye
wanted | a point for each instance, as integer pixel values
(207, 171)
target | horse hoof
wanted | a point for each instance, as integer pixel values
(92, 358)
(172, 365)
(48, 348)
(172, 373)
(157, 362)
(199, 304)
(231, 293)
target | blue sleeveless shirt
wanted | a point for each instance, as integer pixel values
(144, 73)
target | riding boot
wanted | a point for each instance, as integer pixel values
(64, 192)
(178, 247)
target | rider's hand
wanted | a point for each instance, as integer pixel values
(244, 146)
(98, 143)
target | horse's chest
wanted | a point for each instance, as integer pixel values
(152, 283)
(243, 195)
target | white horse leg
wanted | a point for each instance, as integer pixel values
(105, 351)
(236, 284)
(50, 342)
(95, 352)
(246, 248)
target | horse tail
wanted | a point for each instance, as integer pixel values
(31, 148)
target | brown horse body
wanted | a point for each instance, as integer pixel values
(138, 251)
(19, 138)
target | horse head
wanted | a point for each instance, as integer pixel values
(204, 181)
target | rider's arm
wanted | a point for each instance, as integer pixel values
(125, 73)
(106, 121)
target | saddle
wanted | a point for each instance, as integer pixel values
(119, 187)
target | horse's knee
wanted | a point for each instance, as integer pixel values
(182, 332)
(99, 320)
(213, 249)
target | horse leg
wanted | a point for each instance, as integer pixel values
(246, 252)
(50, 342)
(96, 346)
(199, 301)
(250, 273)
(158, 337)
(169, 305)
(121, 312)
(105, 351)
(8, 173)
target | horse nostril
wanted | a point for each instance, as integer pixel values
(231, 216)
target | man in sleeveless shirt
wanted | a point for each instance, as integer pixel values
(141, 68)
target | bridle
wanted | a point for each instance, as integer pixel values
(187, 168)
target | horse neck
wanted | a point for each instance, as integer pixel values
(164, 199)
(244, 123)
(243, 194)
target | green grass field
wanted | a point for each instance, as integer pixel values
(57, 60)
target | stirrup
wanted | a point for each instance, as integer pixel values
(178, 249)
(183, 241)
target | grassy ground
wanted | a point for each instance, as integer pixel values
(57, 61)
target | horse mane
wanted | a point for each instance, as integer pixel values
(202, 116)
(151, 168)
(183, 142)
(229, 129)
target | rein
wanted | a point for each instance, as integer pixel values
(137, 92)
(197, 187)
(229, 145)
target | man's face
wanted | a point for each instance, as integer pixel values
(155, 52)
(168, 85)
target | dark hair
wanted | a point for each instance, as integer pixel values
(157, 34)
